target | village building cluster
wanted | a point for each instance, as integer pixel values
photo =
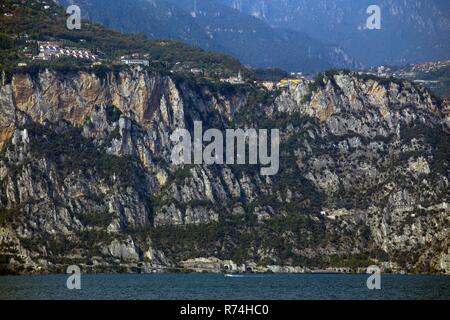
(409, 72)
(49, 50)
(430, 66)
(387, 72)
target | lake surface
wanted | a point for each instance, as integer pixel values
(219, 287)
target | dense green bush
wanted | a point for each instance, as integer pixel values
(96, 219)
(113, 114)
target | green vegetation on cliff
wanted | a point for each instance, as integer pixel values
(281, 240)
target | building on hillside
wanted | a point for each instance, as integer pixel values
(49, 46)
(197, 71)
(43, 56)
(135, 62)
(269, 85)
(288, 83)
(234, 80)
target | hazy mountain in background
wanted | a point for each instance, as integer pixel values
(412, 31)
(213, 26)
(156, 19)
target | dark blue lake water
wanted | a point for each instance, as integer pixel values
(219, 287)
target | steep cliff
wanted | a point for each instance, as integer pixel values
(86, 176)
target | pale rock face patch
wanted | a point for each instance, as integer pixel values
(124, 251)
(419, 166)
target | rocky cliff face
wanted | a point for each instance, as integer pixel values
(86, 176)
(380, 151)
